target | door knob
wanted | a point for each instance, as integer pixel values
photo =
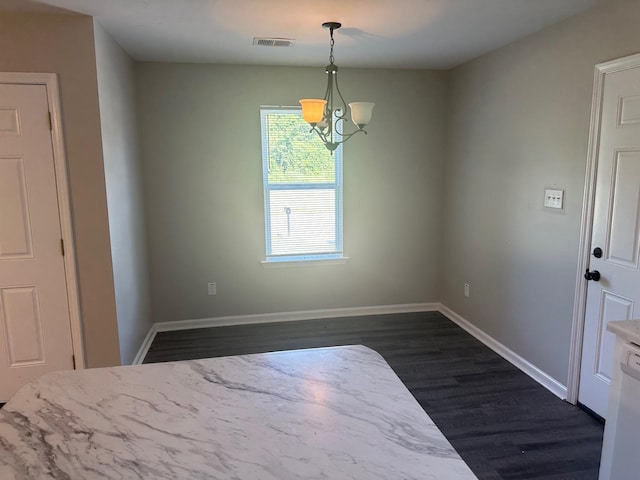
(597, 252)
(595, 275)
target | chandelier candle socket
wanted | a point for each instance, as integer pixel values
(327, 115)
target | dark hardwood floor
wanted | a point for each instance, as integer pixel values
(502, 423)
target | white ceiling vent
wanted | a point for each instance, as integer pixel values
(273, 42)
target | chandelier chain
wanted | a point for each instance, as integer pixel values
(331, 59)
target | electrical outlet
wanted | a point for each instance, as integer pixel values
(466, 290)
(211, 287)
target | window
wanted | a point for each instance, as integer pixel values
(302, 189)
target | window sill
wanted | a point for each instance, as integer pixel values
(304, 263)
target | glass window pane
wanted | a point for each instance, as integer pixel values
(302, 221)
(294, 153)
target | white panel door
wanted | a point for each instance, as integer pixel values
(616, 232)
(35, 331)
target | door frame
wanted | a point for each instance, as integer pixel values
(50, 81)
(586, 223)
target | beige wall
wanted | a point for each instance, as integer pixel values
(123, 178)
(200, 140)
(519, 121)
(64, 45)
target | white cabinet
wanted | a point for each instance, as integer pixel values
(620, 455)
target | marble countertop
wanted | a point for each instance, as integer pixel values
(629, 330)
(332, 413)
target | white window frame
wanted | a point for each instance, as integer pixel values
(337, 185)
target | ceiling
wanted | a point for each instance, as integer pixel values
(421, 34)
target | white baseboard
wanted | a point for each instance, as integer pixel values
(277, 317)
(527, 367)
(295, 316)
(146, 344)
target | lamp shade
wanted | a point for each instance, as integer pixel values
(312, 109)
(361, 113)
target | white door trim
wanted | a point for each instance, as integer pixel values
(50, 81)
(586, 224)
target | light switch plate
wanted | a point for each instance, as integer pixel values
(553, 198)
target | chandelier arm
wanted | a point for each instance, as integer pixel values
(328, 93)
(328, 140)
(341, 125)
(344, 103)
(323, 136)
(328, 107)
(347, 136)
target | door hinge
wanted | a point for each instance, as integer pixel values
(62, 246)
(73, 359)
(50, 122)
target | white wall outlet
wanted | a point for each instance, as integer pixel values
(466, 290)
(553, 198)
(211, 287)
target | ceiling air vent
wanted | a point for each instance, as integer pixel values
(273, 42)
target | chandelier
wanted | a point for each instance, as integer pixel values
(327, 115)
